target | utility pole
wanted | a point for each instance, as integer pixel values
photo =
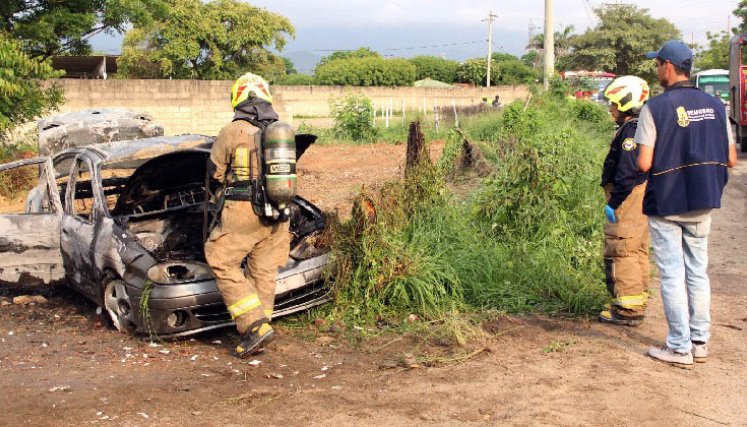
(490, 43)
(549, 43)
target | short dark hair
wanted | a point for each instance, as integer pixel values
(681, 71)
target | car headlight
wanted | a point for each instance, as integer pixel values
(173, 273)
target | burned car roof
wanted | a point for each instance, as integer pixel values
(90, 116)
(147, 148)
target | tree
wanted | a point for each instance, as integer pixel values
(531, 58)
(218, 39)
(562, 41)
(474, 71)
(512, 70)
(741, 12)
(289, 67)
(716, 55)
(435, 68)
(619, 42)
(362, 52)
(503, 57)
(366, 71)
(47, 28)
(22, 96)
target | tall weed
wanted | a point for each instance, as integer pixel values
(353, 117)
(527, 238)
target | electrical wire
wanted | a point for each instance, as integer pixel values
(404, 48)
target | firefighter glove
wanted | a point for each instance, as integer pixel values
(610, 213)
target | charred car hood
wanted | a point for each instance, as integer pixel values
(169, 171)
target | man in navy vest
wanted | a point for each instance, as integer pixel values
(686, 145)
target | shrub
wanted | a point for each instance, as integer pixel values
(367, 71)
(589, 111)
(514, 72)
(474, 71)
(435, 68)
(353, 117)
(528, 238)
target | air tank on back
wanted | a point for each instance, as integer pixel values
(280, 163)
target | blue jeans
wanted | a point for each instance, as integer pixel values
(681, 250)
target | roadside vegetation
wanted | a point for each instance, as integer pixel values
(522, 234)
(17, 182)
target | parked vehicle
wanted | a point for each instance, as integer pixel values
(737, 88)
(592, 83)
(124, 224)
(713, 82)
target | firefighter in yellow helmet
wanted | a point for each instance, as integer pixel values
(626, 236)
(240, 234)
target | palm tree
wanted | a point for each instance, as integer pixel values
(562, 41)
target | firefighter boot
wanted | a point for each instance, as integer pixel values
(610, 316)
(259, 334)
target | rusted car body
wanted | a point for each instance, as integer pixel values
(124, 224)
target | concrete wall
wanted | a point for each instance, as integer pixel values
(200, 106)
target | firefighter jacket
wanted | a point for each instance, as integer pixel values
(231, 152)
(621, 164)
(689, 169)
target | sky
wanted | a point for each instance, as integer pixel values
(455, 29)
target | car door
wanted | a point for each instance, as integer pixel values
(78, 227)
(30, 249)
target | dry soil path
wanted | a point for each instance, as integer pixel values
(58, 366)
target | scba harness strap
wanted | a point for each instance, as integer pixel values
(241, 191)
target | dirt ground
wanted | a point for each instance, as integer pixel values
(59, 366)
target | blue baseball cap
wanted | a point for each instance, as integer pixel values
(675, 52)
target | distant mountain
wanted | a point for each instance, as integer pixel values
(303, 61)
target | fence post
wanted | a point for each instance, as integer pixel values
(456, 118)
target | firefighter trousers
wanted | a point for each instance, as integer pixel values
(626, 261)
(248, 293)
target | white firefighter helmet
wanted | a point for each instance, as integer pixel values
(628, 92)
(250, 86)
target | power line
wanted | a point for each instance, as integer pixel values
(404, 48)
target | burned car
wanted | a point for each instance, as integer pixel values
(94, 126)
(124, 224)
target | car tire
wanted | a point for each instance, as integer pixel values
(116, 308)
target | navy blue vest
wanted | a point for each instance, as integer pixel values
(689, 166)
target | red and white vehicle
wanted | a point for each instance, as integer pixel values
(594, 81)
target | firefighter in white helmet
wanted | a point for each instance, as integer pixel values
(240, 234)
(626, 237)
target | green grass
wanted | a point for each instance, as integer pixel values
(527, 238)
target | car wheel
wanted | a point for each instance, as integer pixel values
(116, 305)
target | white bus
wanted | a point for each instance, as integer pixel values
(713, 82)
